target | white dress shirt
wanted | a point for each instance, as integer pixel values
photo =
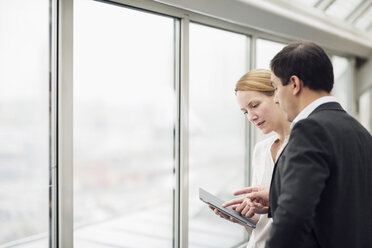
(262, 166)
(311, 107)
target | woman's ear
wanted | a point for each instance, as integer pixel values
(296, 84)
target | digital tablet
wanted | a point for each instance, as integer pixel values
(217, 203)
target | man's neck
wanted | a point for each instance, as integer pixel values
(309, 96)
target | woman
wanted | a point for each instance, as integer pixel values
(255, 96)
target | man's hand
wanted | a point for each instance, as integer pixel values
(256, 193)
(256, 201)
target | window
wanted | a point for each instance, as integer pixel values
(217, 139)
(342, 88)
(365, 110)
(265, 51)
(24, 123)
(124, 117)
(342, 8)
(307, 3)
(365, 20)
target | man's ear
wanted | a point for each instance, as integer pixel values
(296, 84)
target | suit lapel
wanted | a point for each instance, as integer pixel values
(273, 175)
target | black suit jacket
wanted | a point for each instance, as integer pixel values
(321, 189)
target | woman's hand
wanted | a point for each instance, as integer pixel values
(222, 215)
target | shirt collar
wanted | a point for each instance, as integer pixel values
(311, 107)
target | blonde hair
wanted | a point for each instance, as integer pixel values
(256, 80)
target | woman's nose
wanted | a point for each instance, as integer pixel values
(252, 116)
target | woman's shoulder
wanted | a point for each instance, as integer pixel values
(265, 143)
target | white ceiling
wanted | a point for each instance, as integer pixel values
(295, 20)
(352, 13)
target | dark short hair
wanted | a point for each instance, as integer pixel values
(308, 62)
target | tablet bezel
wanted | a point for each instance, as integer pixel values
(211, 199)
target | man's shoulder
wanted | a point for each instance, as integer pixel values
(334, 118)
(329, 126)
(329, 112)
(326, 115)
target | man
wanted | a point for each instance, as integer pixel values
(321, 189)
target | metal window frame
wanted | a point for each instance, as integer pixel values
(61, 119)
(353, 87)
(53, 182)
(251, 132)
(324, 4)
(181, 222)
(352, 99)
(249, 129)
(367, 90)
(359, 11)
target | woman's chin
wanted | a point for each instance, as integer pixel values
(265, 131)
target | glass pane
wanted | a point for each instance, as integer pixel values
(24, 123)
(365, 21)
(302, 2)
(265, 51)
(342, 88)
(342, 8)
(217, 137)
(365, 110)
(124, 119)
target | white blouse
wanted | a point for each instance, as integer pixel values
(262, 170)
